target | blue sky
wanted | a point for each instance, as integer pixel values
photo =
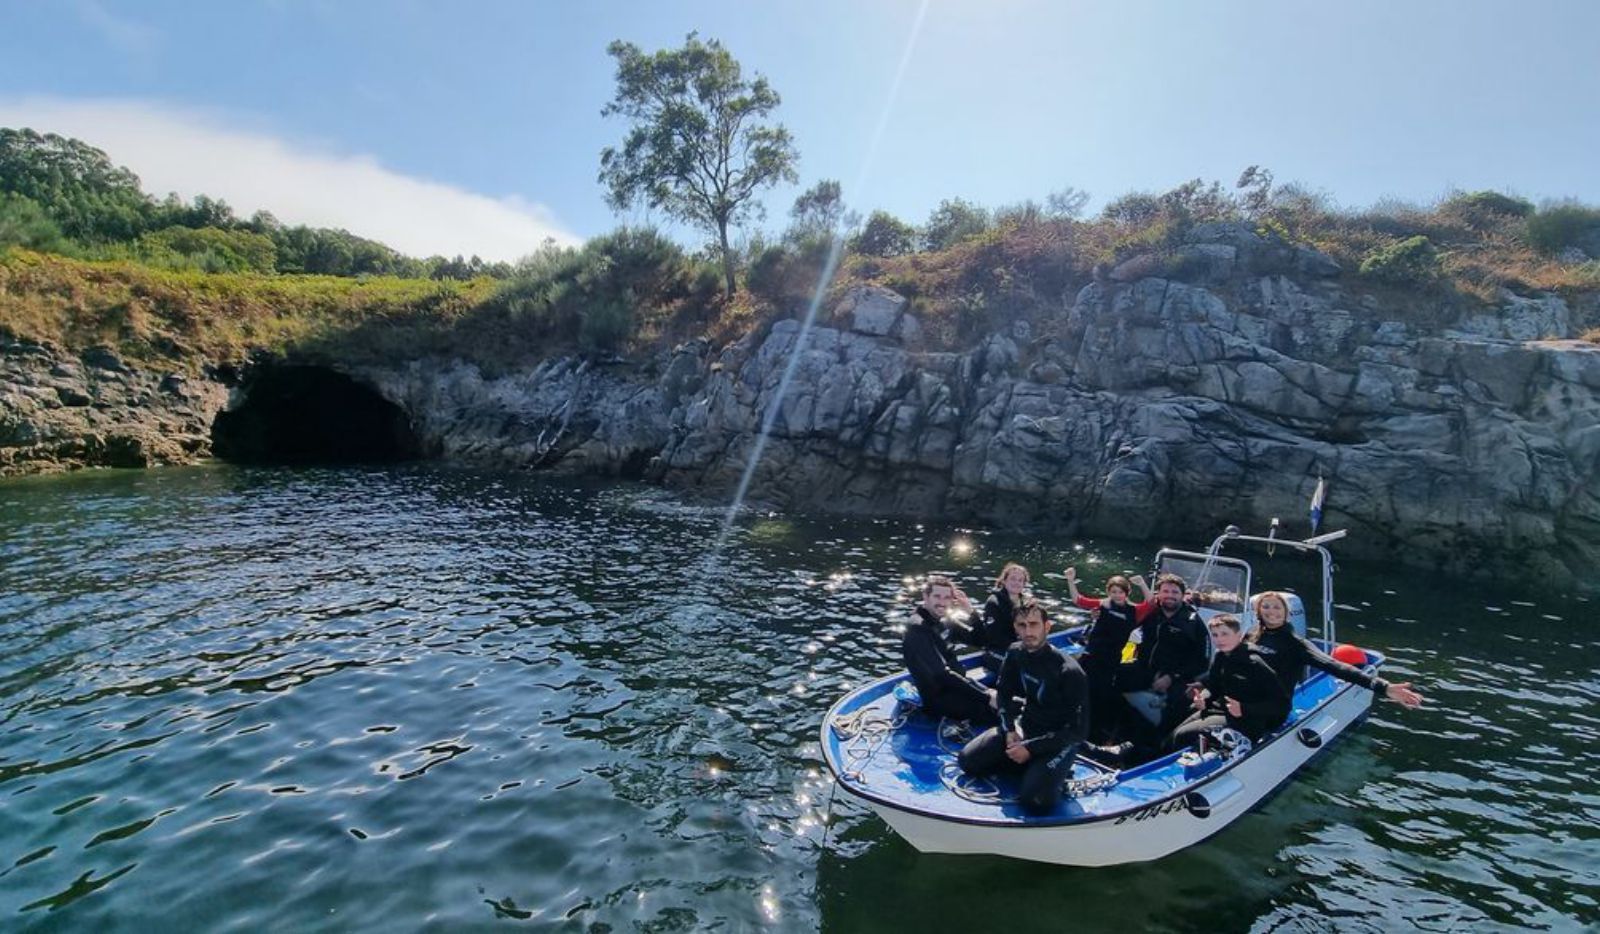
(478, 123)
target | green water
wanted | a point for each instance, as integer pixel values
(423, 698)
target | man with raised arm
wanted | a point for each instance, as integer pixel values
(945, 689)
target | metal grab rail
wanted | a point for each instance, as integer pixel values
(1313, 544)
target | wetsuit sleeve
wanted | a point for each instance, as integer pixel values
(1321, 661)
(1209, 677)
(982, 628)
(1009, 686)
(929, 671)
(972, 634)
(1087, 603)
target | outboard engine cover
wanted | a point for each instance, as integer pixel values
(1297, 613)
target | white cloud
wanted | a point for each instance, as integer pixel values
(193, 153)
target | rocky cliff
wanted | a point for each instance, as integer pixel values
(1178, 392)
(1149, 407)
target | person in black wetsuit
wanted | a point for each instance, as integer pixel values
(993, 633)
(1171, 653)
(1044, 716)
(1115, 619)
(1239, 690)
(945, 689)
(1289, 654)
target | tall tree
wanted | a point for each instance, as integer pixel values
(77, 185)
(699, 147)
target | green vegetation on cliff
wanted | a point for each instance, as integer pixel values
(181, 320)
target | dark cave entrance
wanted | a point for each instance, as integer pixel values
(312, 415)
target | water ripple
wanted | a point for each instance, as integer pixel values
(245, 699)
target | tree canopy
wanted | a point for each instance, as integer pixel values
(699, 147)
(87, 195)
(818, 211)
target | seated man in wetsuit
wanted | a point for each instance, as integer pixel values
(1044, 716)
(945, 689)
(1171, 653)
(1239, 690)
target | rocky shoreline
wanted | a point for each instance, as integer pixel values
(1174, 394)
(63, 411)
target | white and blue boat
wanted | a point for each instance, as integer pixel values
(902, 763)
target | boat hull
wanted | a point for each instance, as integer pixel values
(1158, 829)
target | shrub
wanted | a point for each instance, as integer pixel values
(1567, 225)
(606, 325)
(885, 235)
(1132, 209)
(782, 276)
(594, 294)
(1481, 210)
(24, 223)
(208, 249)
(953, 221)
(1412, 261)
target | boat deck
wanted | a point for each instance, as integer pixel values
(883, 750)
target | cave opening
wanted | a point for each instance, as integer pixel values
(312, 415)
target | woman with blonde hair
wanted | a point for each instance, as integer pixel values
(1290, 654)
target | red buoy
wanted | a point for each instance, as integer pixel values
(1349, 654)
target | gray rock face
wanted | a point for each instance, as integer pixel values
(58, 412)
(1158, 408)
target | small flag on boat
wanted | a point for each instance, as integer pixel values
(1317, 496)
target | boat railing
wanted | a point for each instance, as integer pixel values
(1316, 544)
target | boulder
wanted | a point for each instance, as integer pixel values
(870, 309)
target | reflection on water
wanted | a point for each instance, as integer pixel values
(244, 699)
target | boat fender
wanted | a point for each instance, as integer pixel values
(1350, 654)
(1213, 796)
(1312, 734)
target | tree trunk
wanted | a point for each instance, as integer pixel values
(727, 257)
